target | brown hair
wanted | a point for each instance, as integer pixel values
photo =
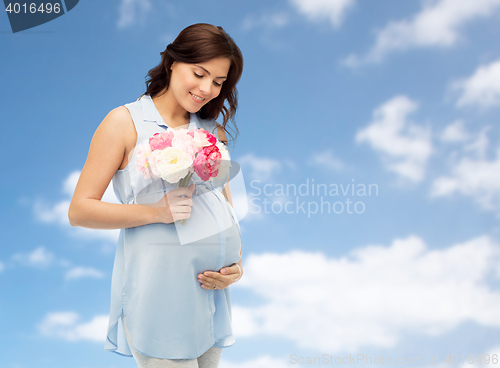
(195, 44)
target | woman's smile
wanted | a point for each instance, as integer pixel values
(197, 98)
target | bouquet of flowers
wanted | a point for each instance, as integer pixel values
(175, 155)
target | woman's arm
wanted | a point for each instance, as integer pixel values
(226, 275)
(227, 189)
(106, 153)
(227, 193)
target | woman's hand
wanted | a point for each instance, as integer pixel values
(175, 205)
(220, 280)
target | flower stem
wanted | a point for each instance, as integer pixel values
(184, 183)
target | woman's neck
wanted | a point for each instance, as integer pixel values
(172, 113)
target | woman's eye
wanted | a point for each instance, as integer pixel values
(201, 76)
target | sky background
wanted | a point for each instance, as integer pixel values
(400, 95)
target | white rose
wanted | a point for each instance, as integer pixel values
(171, 164)
(184, 142)
(152, 158)
(223, 151)
(200, 139)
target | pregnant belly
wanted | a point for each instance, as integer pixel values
(209, 240)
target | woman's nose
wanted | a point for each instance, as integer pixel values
(206, 86)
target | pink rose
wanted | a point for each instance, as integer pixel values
(142, 164)
(161, 140)
(202, 138)
(210, 137)
(206, 163)
(183, 141)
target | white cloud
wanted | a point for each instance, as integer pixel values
(436, 25)
(261, 362)
(40, 258)
(67, 326)
(58, 213)
(261, 168)
(405, 147)
(69, 184)
(482, 89)
(474, 176)
(240, 205)
(331, 10)
(110, 235)
(455, 132)
(372, 296)
(479, 146)
(132, 11)
(266, 20)
(490, 352)
(484, 359)
(326, 160)
(81, 272)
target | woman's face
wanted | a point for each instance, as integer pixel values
(194, 85)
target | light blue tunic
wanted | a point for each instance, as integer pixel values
(154, 283)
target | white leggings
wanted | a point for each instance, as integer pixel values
(209, 359)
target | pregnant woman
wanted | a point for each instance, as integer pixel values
(170, 301)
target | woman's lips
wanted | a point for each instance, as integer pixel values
(197, 98)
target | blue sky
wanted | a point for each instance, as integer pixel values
(404, 96)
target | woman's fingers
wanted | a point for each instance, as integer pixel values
(184, 192)
(231, 270)
(210, 278)
(181, 210)
(176, 216)
(208, 282)
(174, 198)
(179, 202)
(209, 285)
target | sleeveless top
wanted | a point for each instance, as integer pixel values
(154, 282)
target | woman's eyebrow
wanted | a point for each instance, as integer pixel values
(199, 66)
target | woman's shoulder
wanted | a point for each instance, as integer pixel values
(123, 111)
(118, 116)
(118, 125)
